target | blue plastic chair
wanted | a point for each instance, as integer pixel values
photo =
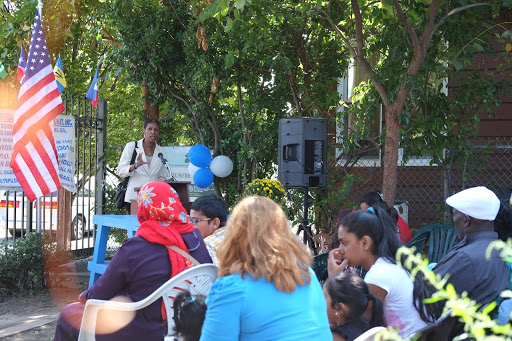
(440, 239)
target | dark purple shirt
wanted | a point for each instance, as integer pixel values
(196, 246)
(137, 270)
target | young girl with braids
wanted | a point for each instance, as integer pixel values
(189, 312)
(369, 238)
(348, 298)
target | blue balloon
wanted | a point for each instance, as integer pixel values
(200, 156)
(203, 178)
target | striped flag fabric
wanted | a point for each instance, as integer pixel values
(21, 65)
(58, 70)
(92, 93)
(34, 159)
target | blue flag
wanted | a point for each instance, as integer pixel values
(58, 71)
(92, 94)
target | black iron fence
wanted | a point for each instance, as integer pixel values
(19, 216)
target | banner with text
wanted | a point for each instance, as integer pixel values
(64, 131)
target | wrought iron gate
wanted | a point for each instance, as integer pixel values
(21, 216)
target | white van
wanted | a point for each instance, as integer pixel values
(14, 207)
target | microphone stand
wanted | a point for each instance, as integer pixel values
(164, 161)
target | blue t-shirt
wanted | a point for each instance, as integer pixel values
(247, 309)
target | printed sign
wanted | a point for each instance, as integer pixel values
(7, 178)
(64, 132)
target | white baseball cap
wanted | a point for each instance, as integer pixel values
(477, 202)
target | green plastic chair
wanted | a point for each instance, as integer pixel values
(319, 266)
(440, 239)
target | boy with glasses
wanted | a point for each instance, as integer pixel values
(209, 215)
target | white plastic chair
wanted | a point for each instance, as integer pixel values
(369, 335)
(197, 280)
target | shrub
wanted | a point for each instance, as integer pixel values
(26, 263)
(272, 189)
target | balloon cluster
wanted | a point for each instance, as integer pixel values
(202, 168)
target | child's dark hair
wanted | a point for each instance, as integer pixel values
(352, 291)
(211, 206)
(391, 211)
(371, 198)
(503, 221)
(335, 242)
(376, 224)
(189, 313)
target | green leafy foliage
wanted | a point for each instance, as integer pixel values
(222, 73)
(27, 263)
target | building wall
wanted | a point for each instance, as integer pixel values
(421, 188)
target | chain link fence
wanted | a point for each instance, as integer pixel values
(422, 188)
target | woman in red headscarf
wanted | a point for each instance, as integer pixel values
(140, 266)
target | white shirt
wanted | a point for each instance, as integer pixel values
(145, 173)
(399, 309)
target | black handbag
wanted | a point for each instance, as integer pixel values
(123, 185)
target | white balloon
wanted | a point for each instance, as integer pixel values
(221, 166)
(192, 169)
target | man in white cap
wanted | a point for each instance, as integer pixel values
(474, 211)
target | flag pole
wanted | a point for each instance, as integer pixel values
(40, 8)
(38, 200)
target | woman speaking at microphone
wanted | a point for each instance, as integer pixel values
(148, 162)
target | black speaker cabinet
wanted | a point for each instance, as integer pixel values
(302, 152)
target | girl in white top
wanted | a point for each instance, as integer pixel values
(368, 238)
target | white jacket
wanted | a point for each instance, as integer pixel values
(145, 173)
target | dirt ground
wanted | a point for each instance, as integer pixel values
(42, 303)
(43, 333)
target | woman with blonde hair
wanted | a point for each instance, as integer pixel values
(266, 289)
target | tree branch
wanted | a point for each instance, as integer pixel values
(367, 69)
(359, 27)
(177, 16)
(212, 122)
(407, 25)
(428, 32)
(293, 89)
(452, 12)
(110, 39)
(240, 106)
(185, 102)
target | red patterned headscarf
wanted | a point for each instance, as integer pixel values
(162, 221)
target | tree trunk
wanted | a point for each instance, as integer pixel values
(150, 110)
(390, 159)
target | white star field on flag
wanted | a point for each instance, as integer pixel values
(37, 56)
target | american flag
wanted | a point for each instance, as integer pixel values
(34, 158)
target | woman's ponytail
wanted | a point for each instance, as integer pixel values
(377, 316)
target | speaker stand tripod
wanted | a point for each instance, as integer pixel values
(304, 226)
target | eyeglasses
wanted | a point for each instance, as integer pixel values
(194, 221)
